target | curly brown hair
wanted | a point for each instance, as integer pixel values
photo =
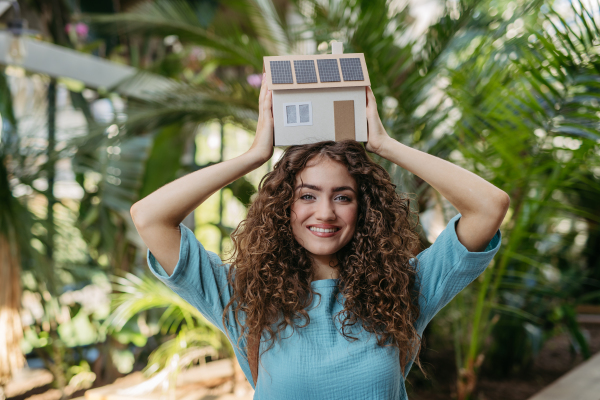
(273, 271)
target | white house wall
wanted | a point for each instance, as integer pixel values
(323, 127)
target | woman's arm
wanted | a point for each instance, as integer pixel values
(158, 215)
(481, 204)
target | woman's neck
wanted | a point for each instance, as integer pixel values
(322, 269)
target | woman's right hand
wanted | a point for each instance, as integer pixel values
(262, 147)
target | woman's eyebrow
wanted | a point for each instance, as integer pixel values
(319, 189)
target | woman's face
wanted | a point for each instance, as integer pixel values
(325, 207)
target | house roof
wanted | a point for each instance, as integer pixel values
(315, 68)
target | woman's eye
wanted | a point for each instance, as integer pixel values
(311, 197)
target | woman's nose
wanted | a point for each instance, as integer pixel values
(325, 211)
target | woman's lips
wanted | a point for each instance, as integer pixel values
(324, 234)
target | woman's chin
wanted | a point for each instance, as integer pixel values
(322, 251)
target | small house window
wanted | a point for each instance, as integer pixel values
(296, 114)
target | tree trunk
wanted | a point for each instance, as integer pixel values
(11, 330)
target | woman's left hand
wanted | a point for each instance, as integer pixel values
(376, 132)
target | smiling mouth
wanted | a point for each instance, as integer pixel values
(321, 230)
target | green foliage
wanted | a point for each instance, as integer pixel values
(242, 189)
(78, 331)
(134, 295)
(167, 17)
(111, 171)
(15, 220)
(529, 125)
(164, 160)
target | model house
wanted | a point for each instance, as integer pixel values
(318, 97)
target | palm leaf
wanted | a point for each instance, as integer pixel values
(135, 294)
(174, 17)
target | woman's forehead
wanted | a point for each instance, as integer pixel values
(325, 172)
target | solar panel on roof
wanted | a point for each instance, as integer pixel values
(328, 70)
(305, 71)
(281, 72)
(351, 69)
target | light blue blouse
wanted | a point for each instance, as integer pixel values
(316, 362)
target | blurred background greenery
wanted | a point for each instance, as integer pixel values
(507, 89)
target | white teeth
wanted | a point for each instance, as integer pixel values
(312, 228)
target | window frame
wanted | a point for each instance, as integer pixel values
(298, 104)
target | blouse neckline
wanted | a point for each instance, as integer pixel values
(324, 283)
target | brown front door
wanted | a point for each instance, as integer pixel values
(343, 115)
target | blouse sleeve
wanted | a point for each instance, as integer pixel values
(200, 278)
(446, 268)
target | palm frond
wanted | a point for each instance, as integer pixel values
(175, 17)
(528, 124)
(135, 294)
(268, 27)
(189, 346)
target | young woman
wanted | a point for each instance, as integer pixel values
(326, 222)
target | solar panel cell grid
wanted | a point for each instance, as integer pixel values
(328, 70)
(281, 72)
(305, 71)
(351, 69)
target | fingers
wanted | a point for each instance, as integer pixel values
(267, 102)
(370, 97)
(261, 100)
(263, 89)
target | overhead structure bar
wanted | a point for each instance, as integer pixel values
(94, 72)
